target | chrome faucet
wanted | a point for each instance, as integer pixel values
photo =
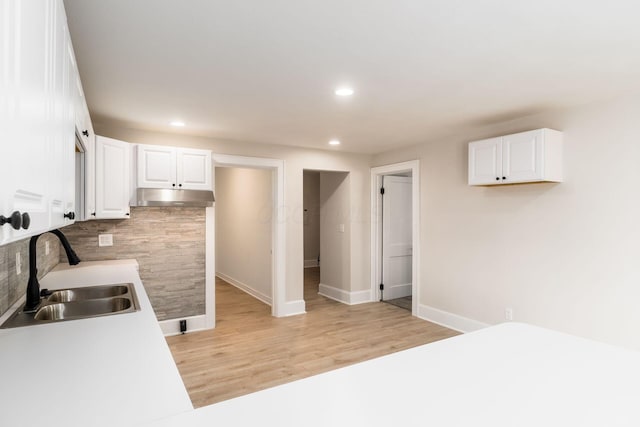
(33, 287)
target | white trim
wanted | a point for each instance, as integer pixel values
(310, 263)
(210, 268)
(278, 222)
(292, 308)
(412, 166)
(194, 323)
(346, 297)
(245, 288)
(449, 320)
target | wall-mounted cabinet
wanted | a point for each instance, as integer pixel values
(112, 178)
(37, 118)
(532, 156)
(172, 167)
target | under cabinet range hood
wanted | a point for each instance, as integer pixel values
(177, 198)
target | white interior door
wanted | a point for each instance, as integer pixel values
(396, 237)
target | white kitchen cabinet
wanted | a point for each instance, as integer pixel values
(112, 178)
(36, 116)
(532, 156)
(173, 167)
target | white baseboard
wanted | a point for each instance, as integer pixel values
(292, 308)
(172, 326)
(449, 320)
(397, 291)
(310, 263)
(246, 288)
(346, 297)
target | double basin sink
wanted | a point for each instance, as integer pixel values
(78, 303)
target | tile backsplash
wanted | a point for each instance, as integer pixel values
(13, 285)
(169, 244)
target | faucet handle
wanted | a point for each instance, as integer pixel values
(15, 220)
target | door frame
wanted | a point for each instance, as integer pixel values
(377, 173)
(278, 260)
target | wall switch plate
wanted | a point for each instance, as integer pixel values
(46, 248)
(18, 263)
(340, 228)
(105, 239)
(508, 313)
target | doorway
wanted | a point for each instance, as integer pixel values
(326, 234)
(274, 219)
(395, 236)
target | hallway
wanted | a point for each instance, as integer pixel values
(249, 350)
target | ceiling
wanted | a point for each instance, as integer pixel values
(266, 71)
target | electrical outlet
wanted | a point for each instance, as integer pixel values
(508, 314)
(18, 263)
(105, 239)
(46, 248)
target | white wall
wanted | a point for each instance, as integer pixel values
(334, 243)
(311, 216)
(243, 229)
(564, 256)
(296, 160)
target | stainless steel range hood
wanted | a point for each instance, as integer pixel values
(170, 197)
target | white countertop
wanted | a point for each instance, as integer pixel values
(113, 370)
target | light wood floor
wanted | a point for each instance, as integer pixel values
(249, 350)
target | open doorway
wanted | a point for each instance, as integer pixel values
(244, 209)
(273, 221)
(326, 230)
(395, 234)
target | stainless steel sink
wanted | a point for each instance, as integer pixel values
(88, 308)
(93, 292)
(78, 303)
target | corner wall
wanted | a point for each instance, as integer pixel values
(564, 256)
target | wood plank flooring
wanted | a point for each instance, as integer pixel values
(249, 350)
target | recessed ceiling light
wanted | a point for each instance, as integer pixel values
(334, 142)
(344, 91)
(177, 123)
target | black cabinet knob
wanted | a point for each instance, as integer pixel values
(179, 185)
(15, 220)
(127, 214)
(497, 178)
(70, 215)
(93, 214)
(173, 185)
(26, 220)
(85, 132)
(504, 177)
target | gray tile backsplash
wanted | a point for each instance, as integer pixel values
(169, 244)
(13, 285)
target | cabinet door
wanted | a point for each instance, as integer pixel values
(25, 121)
(194, 169)
(112, 178)
(156, 166)
(523, 157)
(485, 162)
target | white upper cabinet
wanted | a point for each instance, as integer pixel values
(532, 156)
(173, 167)
(112, 178)
(193, 169)
(37, 115)
(156, 166)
